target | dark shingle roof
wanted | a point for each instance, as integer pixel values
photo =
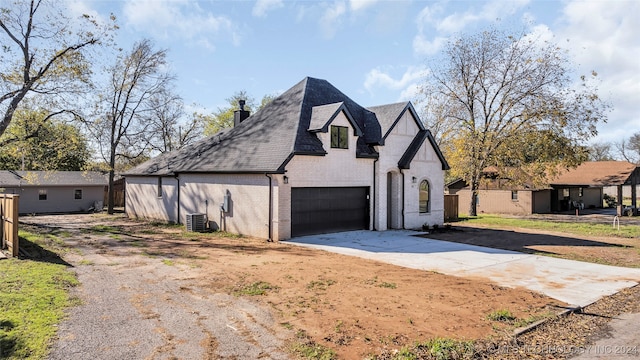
(323, 115)
(9, 178)
(268, 139)
(388, 115)
(416, 143)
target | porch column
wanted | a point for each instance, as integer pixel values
(619, 199)
(633, 195)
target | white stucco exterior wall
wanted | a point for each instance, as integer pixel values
(338, 168)
(142, 200)
(425, 166)
(204, 193)
(249, 206)
(249, 211)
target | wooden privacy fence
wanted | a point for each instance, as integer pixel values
(450, 208)
(118, 193)
(9, 223)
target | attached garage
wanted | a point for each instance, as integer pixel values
(328, 209)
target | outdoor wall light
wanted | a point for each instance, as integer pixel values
(414, 179)
(285, 179)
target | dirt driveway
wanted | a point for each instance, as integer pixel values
(136, 305)
(156, 292)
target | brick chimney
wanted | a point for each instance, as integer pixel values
(240, 115)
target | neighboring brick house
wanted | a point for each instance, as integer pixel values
(311, 161)
(578, 188)
(46, 192)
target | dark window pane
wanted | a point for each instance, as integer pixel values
(339, 137)
(424, 197)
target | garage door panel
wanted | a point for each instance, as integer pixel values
(326, 210)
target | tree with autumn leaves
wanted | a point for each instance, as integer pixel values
(509, 102)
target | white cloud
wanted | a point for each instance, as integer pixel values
(432, 17)
(261, 7)
(491, 11)
(330, 20)
(407, 83)
(423, 46)
(181, 19)
(428, 15)
(356, 5)
(608, 44)
(79, 7)
(540, 34)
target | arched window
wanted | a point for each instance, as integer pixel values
(424, 197)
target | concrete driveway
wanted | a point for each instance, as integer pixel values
(573, 282)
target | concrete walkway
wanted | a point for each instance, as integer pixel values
(573, 282)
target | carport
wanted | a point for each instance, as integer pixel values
(584, 185)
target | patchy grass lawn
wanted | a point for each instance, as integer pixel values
(576, 228)
(33, 296)
(582, 241)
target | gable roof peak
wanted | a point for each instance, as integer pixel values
(323, 115)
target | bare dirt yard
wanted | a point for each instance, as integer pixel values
(318, 300)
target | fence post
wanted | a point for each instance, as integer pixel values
(14, 224)
(9, 222)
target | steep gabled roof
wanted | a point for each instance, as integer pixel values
(10, 178)
(598, 173)
(416, 143)
(323, 115)
(389, 115)
(266, 140)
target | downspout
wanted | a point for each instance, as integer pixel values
(178, 200)
(373, 195)
(403, 227)
(270, 207)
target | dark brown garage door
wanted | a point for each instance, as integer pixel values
(327, 210)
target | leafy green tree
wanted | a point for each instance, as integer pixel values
(507, 97)
(266, 100)
(38, 144)
(44, 54)
(223, 117)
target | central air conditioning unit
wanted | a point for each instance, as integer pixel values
(196, 222)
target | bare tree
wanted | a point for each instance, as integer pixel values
(600, 151)
(504, 93)
(134, 80)
(630, 149)
(43, 55)
(168, 125)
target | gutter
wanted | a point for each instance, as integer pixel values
(270, 225)
(177, 177)
(401, 172)
(373, 195)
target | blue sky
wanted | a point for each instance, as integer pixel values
(374, 51)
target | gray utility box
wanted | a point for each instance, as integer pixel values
(196, 222)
